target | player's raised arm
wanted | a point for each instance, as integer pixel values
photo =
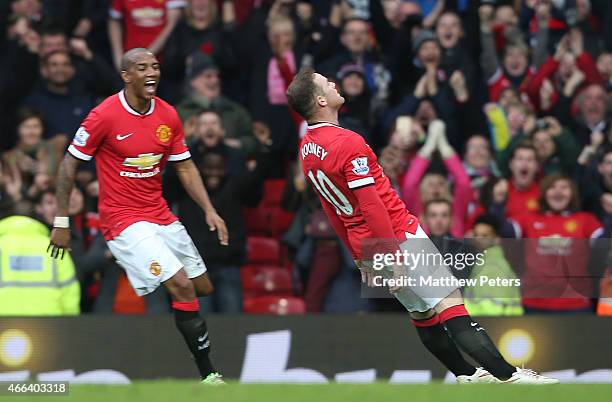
(60, 235)
(191, 180)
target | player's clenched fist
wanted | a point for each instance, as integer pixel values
(215, 222)
(60, 241)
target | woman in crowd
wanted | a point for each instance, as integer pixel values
(557, 250)
(435, 185)
(34, 159)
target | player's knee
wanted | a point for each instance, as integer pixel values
(204, 289)
(180, 288)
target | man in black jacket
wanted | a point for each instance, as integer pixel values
(228, 194)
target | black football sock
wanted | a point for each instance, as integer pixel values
(474, 341)
(437, 340)
(193, 328)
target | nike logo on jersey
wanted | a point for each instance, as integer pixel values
(314, 149)
(120, 137)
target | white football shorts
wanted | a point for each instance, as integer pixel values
(152, 253)
(421, 297)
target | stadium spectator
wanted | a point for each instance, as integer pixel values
(272, 64)
(356, 113)
(27, 273)
(210, 137)
(595, 184)
(396, 157)
(523, 185)
(482, 299)
(557, 250)
(435, 185)
(91, 68)
(563, 75)
(357, 49)
(555, 146)
(492, 200)
(478, 162)
(33, 159)
(457, 63)
(604, 68)
(592, 113)
(228, 196)
(205, 93)
(514, 70)
(429, 86)
(201, 29)
(438, 219)
(143, 23)
(61, 98)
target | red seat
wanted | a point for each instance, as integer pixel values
(263, 250)
(257, 221)
(259, 280)
(273, 192)
(274, 305)
(280, 220)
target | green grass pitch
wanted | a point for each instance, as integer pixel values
(186, 391)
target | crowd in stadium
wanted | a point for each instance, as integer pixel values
(523, 89)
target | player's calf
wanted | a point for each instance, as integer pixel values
(189, 322)
(473, 340)
(435, 338)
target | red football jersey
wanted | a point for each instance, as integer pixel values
(499, 82)
(522, 201)
(131, 151)
(143, 20)
(336, 161)
(556, 258)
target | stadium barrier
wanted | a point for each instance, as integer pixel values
(311, 348)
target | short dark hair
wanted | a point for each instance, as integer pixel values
(524, 145)
(208, 110)
(353, 19)
(437, 201)
(485, 197)
(489, 219)
(27, 113)
(38, 198)
(48, 56)
(53, 30)
(301, 93)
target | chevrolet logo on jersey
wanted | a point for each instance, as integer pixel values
(143, 161)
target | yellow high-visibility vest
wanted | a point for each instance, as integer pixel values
(31, 282)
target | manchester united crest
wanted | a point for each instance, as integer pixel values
(532, 204)
(155, 268)
(571, 226)
(163, 133)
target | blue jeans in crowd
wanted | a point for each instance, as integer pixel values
(227, 297)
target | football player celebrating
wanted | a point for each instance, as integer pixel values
(361, 204)
(133, 134)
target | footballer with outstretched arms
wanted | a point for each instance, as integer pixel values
(361, 204)
(132, 135)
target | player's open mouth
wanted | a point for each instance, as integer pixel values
(151, 86)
